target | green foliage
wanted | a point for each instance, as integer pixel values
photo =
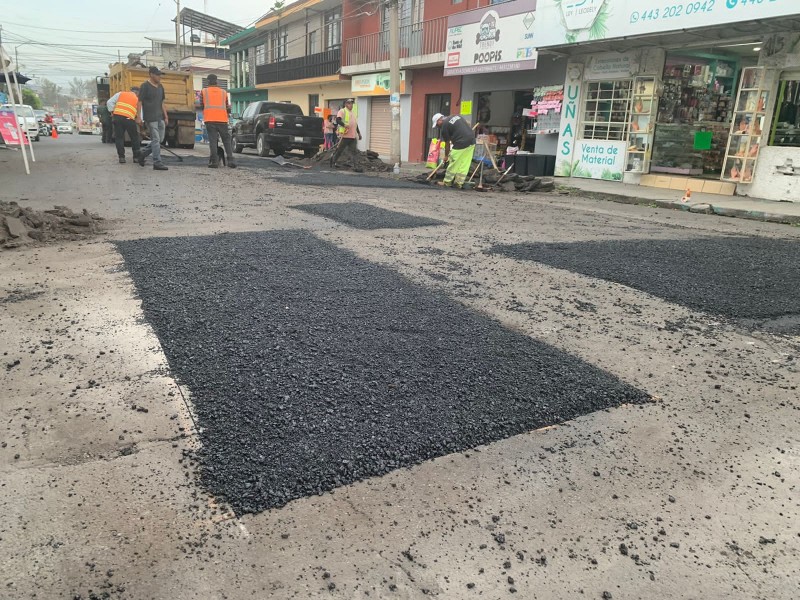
(610, 175)
(30, 98)
(50, 91)
(599, 29)
(572, 169)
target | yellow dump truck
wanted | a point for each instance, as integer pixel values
(180, 100)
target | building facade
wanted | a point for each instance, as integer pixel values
(242, 85)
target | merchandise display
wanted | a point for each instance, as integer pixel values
(747, 127)
(643, 117)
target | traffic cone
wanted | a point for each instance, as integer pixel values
(55, 132)
(687, 197)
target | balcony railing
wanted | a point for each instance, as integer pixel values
(419, 39)
(321, 64)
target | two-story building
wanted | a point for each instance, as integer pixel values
(297, 55)
(242, 86)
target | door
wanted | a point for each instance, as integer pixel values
(245, 126)
(434, 103)
(380, 126)
(313, 102)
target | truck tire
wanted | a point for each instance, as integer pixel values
(278, 150)
(237, 147)
(262, 144)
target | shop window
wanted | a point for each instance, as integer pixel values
(786, 125)
(606, 110)
(747, 127)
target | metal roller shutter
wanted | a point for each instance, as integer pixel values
(380, 126)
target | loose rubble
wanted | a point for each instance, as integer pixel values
(370, 161)
(494, 181)
(20, 226)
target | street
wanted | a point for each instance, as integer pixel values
(250, 385)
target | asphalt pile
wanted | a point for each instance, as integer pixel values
(310, 368)
(366, 216)
(494, 181)
(20, 226)
(735, 277)
(369, 161)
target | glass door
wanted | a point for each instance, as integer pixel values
(434, 103)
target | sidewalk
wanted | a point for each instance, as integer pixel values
(726, 206)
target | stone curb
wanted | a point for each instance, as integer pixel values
(699, 208)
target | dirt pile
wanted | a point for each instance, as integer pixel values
(497, 182)
(369, 161)
(20, 226)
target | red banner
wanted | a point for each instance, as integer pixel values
(9, 131)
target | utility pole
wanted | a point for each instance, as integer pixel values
(178, 32)
(394, 79)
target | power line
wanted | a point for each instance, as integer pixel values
(84, 31)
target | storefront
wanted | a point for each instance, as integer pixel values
(372, 93)
(667, 109)
(513, 99)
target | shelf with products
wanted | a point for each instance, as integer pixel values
(747, 128)
(689, 149)
(697, 87)
(642, 124)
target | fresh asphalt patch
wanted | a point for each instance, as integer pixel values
(310, 368)
(337, 179)
(366, 216)
(735, 277)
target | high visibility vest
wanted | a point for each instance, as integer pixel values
(126, 105)
(342, 130)
(215, 105)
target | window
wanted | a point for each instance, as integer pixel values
(313, 42)
(223, 83)
(277, 40)
(250, 110)
(786, 125)
(313, 102)
(261, 54)
(333, 29)
(606, 110)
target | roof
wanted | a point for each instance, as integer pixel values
(208, 24)
(274, 15)
(238, 37)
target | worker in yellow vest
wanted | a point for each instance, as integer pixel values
(215, 105)
(124, 108)
(348, 132)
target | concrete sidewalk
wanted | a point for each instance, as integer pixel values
(726, 206)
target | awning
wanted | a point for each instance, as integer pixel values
(20, 78)
(204, 23)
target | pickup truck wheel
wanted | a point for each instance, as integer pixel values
(278, 150)
(237, 147)
(262, 145)
(310, 152)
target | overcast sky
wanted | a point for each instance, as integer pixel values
(105, 27)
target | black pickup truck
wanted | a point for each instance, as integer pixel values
(279, 126)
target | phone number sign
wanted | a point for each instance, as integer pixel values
(561, 22)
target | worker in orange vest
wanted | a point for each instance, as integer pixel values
(215, 105)
(124, 107)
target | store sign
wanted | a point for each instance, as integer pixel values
(599, 159)
(560, 22)
(610, 65)
(375, 84)
(567, 135)
(491, 41)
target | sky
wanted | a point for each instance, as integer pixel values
(88, 33)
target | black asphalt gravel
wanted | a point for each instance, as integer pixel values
(736, 277)
(366, 216)
(310, 368)
(333, 178)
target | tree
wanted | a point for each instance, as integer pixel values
(83, 89)
(50, 92)
(29, 97)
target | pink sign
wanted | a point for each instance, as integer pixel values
(9, 131)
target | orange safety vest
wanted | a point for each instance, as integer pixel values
(215, 105)
(126, 105)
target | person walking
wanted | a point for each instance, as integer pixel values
(105, 122)
(151, 99)
(348, 131)
(455, 131)
(215, 105)
(124, 107)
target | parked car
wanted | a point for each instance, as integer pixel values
(277, 126)
(26, 118)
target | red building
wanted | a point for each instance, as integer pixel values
(423, 40)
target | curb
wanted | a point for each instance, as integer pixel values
(699, 208)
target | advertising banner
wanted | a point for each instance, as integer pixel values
(375, 84)
(9, 131)
(560, 22)
(498, 39)
(599, 159)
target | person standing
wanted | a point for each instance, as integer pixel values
(151, 99)
(455, 131)
(348, 131)
(124, 107)
(105, 122)
(216, 108)
(328, 128)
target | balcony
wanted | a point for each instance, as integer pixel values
(322, 64)
(421, 44)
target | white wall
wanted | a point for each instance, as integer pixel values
(767, 182)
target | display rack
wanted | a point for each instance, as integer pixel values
(747, 128)
(607, 110)
(642, 124)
